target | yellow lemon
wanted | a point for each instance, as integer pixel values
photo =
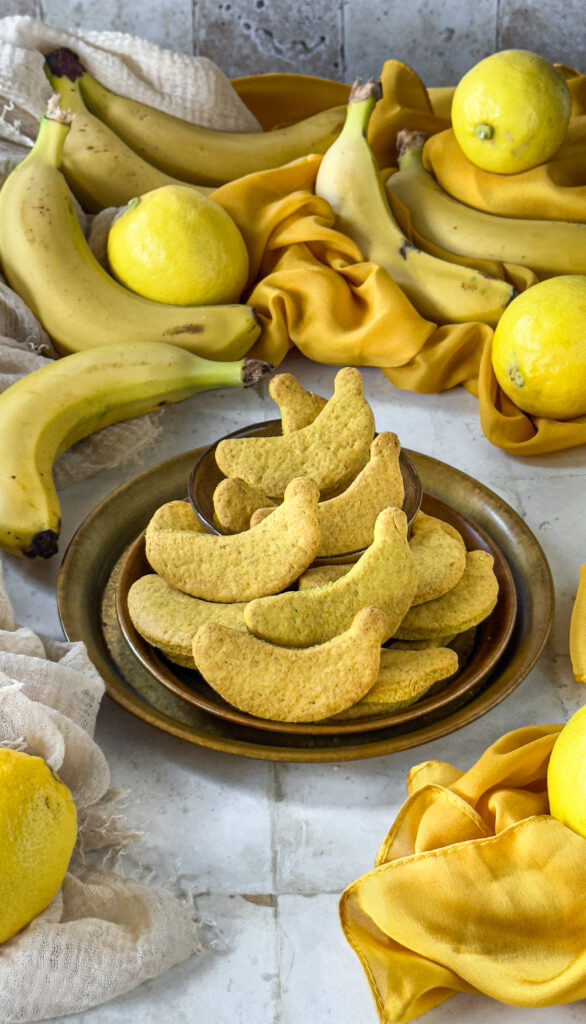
(177, 246)
(510, 112)
(566, 774)
(539, 348)
(38, 828)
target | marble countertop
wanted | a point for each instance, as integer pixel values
(266, 848)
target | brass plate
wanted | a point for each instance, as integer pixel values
(490, 641)
(206, 475)
(86, 594)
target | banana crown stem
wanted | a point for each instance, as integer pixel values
(361, 103)
(358, 116)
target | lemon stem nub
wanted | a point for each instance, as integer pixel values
(516, 377)
(483, 131)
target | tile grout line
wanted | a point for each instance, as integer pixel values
(342, 69)
(273, 787)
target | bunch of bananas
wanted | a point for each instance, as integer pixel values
(119, 148)
(124, 355)
(104, 149)
(464, 234)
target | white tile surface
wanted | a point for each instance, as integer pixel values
(440, 42)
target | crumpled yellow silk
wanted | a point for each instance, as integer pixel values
(476, 888)
(312, 288)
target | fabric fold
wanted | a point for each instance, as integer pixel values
(476, 888)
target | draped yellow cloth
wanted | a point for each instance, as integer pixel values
(476, 888)
(313, 289)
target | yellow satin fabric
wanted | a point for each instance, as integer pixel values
(313, 289)
(476, 888)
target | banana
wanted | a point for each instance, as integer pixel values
(47, 261)
(48, 410)
(578, 630)
(192, 152)
(100, 169)
(348, 178)
(546, 246)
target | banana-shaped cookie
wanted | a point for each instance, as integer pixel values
(243, 566)
(175, 515)
(465, 605)
(383, 577)
(297, 406)
(403, 677)
(169, 619)
(289, 685)
(437, 548)
(235, 502)
(331, 450)
(440, 555)
(346, 522)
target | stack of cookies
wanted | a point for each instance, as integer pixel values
(278, 637)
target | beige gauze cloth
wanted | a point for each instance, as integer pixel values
(193, 88)
(104, 933)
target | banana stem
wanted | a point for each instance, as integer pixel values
(361, 103)
(409, 148)
(255, 370)
(53, 130)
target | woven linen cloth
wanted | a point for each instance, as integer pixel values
(190, 87)
(104, 933)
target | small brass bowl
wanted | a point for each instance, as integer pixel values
(206, 475)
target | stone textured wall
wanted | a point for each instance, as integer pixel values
(340, 39)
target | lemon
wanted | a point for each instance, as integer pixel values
(566, 774)
(178, 246)
(510, 112)
(539, 348)
(38, 827)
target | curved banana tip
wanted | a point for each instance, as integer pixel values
(44, 544)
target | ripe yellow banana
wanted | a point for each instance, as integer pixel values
(47, 261)
(100, 169)
(348, 178)
(546, 246)
(204, 156)
(578, 630)
(50, 409)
